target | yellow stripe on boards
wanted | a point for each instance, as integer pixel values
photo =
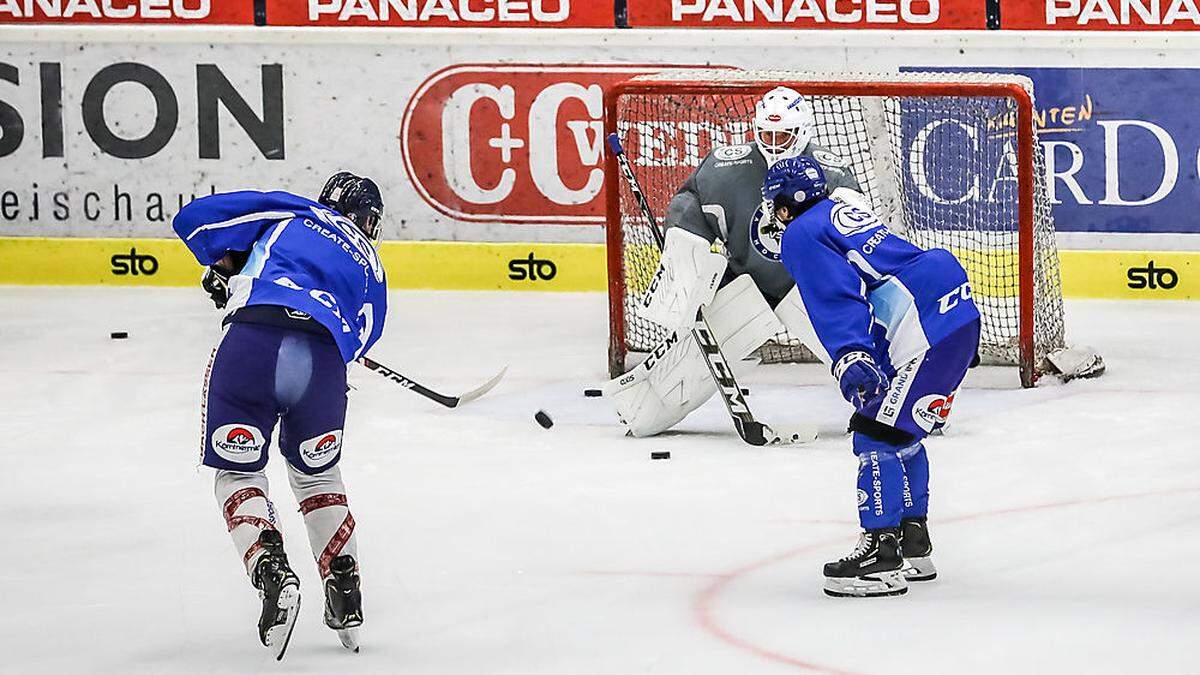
(1168, 275)
(410, 264)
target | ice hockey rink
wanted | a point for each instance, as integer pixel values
(1066, 519)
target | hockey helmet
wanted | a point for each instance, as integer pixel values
(794, 183)
(358, 199)
(784, 124)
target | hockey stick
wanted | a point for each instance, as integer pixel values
(749, 429)
(448, 401)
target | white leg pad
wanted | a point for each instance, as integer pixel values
(327, 518)
(687, 277)
(674, 380)
(794, 316)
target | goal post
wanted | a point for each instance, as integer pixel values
(949, 159)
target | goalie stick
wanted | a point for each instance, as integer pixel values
(748, 428)
(448, 401)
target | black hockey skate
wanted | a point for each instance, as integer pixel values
(343, 600)
(280, 591)
(872, 569)
(917, 549)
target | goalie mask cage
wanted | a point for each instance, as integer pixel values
(946, 159)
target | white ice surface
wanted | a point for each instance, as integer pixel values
(1066, 518)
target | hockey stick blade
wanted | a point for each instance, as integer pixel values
(448, 401)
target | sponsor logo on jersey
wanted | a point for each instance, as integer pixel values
(931, 411)
(766, 234)
(862, 497)
(850, 220)
(950, 300)
(319, 450)
(827, 159)
(732, 153)
(1152, 277)
(239, 443)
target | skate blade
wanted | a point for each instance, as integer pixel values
(279, 635)
(869, 586)
(919, 569)
(349, 638)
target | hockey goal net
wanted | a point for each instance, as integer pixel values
(947, 159)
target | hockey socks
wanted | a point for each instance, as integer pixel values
(247, 511)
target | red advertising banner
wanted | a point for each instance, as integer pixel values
(894, 14)
(1177, 15)
(512, 142)
(461, 13)
(127, 11)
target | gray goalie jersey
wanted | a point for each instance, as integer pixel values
(722, 200)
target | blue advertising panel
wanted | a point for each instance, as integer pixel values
(1121, 146)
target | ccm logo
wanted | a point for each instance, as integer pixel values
(950, 300)
(133, 264)
(1152, 277)
(511, 143)
(532, 269)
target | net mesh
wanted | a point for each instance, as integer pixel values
(942, 170)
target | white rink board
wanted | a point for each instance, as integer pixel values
(344, 94)
(1066, 518)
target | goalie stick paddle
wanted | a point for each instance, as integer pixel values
(748, 429)
(448, 401)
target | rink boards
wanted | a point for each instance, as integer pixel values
(1147, 275)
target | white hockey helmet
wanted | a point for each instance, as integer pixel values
(783, 124)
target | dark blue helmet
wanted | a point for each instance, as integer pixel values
(794, 183)
(356, 198)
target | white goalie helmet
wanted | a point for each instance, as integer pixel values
(783, 124)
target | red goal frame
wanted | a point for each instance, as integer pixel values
(1025, 182)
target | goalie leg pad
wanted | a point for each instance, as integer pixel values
(687, 277)
(674, 380)
(794, 316)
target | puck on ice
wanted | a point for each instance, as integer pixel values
(660, 454)
(118, 335)
(543, 419)
(592, 393)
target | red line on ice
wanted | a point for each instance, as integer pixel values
(702, 605)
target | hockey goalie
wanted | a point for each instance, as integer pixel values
(722, 252)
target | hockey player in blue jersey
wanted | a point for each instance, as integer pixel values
(304, 294)
(899, 327)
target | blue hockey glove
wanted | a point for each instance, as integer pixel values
(861, 380)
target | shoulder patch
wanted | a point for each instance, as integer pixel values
(827, 158)
(729, 153)
(850, 220)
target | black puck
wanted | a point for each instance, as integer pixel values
(592, 393)
(543, 419)
(660, 454)
(745, 392)
(118, 335)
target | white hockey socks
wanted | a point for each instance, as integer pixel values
(247, 511)
(322, 499)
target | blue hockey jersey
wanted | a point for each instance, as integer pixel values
(865, 288)
(302, 255)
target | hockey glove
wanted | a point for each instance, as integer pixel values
(860, 379)
(217, 285)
